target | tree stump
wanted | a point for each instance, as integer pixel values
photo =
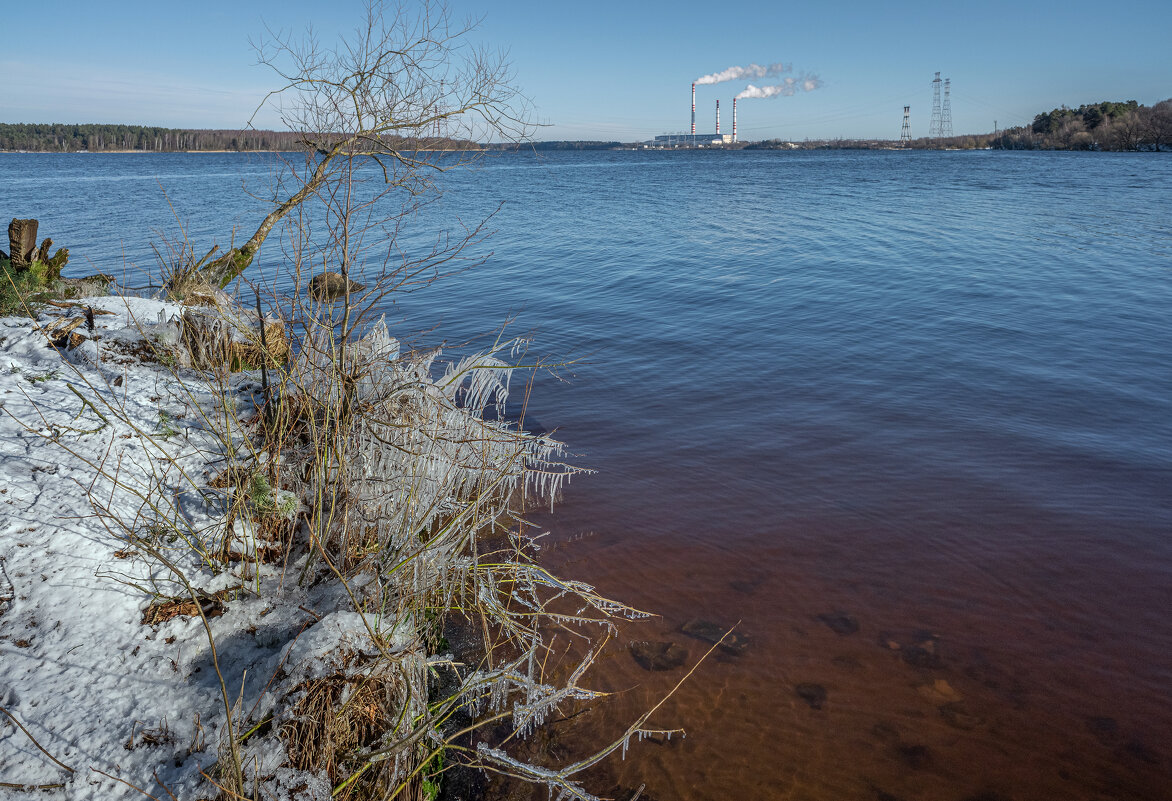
(54, 264)
(22, 243)
(22, 239)
(43, 251)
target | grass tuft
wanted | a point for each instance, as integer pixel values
(21, 290)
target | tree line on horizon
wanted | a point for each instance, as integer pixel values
(98, 138)
(111, 138)
(1109, 125)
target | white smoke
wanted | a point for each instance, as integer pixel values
(751, 72)
(790, 86)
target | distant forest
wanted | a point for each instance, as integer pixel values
(93, 138)
(57, 138)
(1110, 125)
(1100, 126)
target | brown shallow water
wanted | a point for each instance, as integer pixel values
(975, 672)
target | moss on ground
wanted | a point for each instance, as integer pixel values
(20, 290)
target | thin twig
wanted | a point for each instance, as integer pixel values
(20, 725)
(128, 784)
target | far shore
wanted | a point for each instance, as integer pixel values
(158, 152)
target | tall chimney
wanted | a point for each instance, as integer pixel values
(734, 119)
(693, 109)
(718, 117)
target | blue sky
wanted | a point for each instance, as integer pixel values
(617, 70)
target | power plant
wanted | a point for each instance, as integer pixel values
(695, 139)
(785, 87)
(940, 126)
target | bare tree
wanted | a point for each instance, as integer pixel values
(1068, 130)
(1160, 123)
(406, 95)
(1128, 130)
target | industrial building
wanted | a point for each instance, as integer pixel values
(692, 140)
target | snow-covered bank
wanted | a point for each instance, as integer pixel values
(98, 690)
(215, 590)
(123, 703)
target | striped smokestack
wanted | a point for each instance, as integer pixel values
(734, 119)
(693, 109)
(718, 117)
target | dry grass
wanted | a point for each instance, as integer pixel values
(163, 610)
(339, 717)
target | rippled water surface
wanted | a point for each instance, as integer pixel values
(906, 417)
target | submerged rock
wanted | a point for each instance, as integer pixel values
(887, 732)
(958, 716)
(846, 662)
(986, 795)
(921, 657)
(812, 694)
(749, 584)
(658, 655)
(1105, 729)
(840, 622)
(939, 692)
(331, 286)
(920, 649)
(914, 756)
(733, 642)
(1142, 752)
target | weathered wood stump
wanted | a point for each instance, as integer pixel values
(22, 243)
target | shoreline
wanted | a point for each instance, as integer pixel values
(138, 538)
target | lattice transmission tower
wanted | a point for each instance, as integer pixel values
(934, 126)
(905, 135)
(946, 110)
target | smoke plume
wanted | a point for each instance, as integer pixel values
(751, 72)
(790, 86)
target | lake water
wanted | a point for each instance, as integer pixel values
(906, 417)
